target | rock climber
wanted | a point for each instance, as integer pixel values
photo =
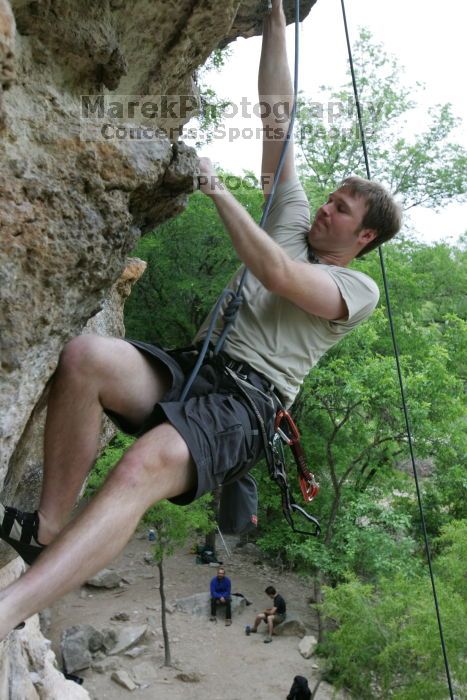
(300, 298)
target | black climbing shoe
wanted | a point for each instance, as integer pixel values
(19, 530)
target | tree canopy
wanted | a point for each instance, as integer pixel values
(427, 168)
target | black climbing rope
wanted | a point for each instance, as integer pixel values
(398, 365)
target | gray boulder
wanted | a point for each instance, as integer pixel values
(291, 627)
(77, 644)
(199, 604)
(124, 679)
(307, 646)
(106, 665)
(105, 579)
(109, 638)
(127, 637)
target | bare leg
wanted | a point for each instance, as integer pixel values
(270, 624)
(259, 617)
(157, 466)
(93, 373)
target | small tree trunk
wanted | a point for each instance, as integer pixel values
(210, 539)
(332, 517)
(165, 634)
(318, 598)
(315, 688)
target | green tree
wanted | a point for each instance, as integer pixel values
(173, 526)
(190, 260)
(385, 641)
(428, 170)
(352, 427)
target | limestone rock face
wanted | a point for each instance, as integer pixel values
(28, 667)
(7, 42)
(249, 18)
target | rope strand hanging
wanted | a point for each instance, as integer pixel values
(398, 365)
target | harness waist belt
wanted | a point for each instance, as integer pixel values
(243, 369)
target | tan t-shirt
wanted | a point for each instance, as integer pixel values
(272, 334)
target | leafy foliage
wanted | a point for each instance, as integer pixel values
(189, 261)
(175, 524)
(108, 459)
(427, 170)
(386, 643)
(353, 430)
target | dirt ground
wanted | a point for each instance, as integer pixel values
(230, 666)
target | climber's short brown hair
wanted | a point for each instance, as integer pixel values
(383, 214)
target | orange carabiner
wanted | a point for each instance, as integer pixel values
(285, 426)
(309, 488)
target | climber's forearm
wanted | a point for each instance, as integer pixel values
(274, 75)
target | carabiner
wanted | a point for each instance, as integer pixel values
(308, 487)
(285, 426)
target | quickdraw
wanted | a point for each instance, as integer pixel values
(286, 428)
(286, 432)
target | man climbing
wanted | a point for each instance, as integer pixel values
(300, 298)
(220, 588)
(271, 616)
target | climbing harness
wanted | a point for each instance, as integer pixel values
(398, 366)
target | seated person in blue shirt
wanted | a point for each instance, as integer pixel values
(220, 595)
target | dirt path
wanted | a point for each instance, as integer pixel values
(230, 665)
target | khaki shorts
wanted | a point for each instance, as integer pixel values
(216, 421)
(278, 618)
